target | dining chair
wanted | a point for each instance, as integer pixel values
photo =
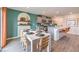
(23, 40)
(43, 44)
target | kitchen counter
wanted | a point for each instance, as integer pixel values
(57, 32)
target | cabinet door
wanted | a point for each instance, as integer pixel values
(74, 30)
(51, 31)
(39, 19)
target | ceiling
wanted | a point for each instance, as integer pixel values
(48, 11)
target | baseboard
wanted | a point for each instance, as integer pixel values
(13, 38)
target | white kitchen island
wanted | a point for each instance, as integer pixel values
(55, 32)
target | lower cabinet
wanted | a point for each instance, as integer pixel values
(74, 30)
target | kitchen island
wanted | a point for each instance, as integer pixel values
(57, 32)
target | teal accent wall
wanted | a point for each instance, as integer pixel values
(12, 16)
(33, 21)
(12, 23)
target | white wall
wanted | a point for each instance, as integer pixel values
(0, 27)
(0, 23)
(58, 20)
(62, 21)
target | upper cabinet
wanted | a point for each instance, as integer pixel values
(44, 19)
(39, 19)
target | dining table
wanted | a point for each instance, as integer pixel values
(32, 36)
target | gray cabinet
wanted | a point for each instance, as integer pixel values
(51, 31)
(54, 32)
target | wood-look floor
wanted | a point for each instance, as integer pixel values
(69, 43)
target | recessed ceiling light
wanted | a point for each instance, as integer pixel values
(43, 12)
(57, 12)
(27, 7)
(70, 13)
